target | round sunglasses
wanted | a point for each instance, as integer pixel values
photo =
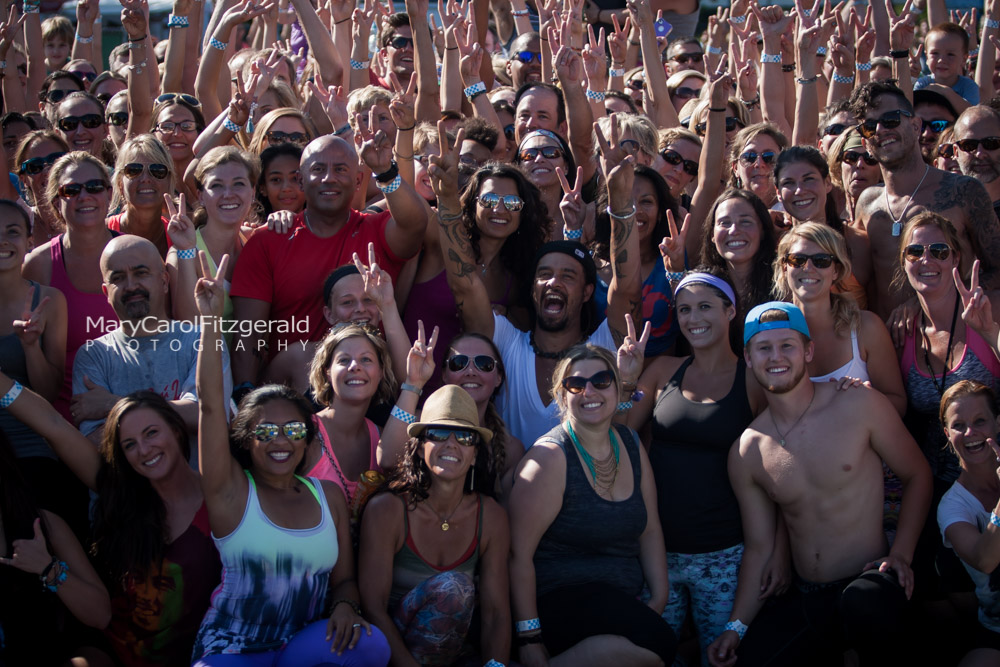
(266, 432)
(135, 169)
(820, 260)
(575, 384)
(463, 437)
(459, 362)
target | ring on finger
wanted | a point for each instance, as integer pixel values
(356, 626)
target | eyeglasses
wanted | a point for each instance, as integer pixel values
(834, 129)
(57, 96)
(400, 42)
(89, 121)
(575, 384)
(168, 126)
(267, 432)
(491, 200)
(750, 157)
(276, 137)
(630, 146)
(675, 158)
(686, 93)
(187, 99)
(118, 118)
(547, 152)
(889, 120)
(937, 126)
(685, 58)
(947, 151)
(852, 157)
(37, 165)
(970, 145)
(915, 251)
(821, 260)
(94, 187)
(463, 437)
(135, 169)
(527, 56)
(508, 132)
(731, 124)
(459, 362)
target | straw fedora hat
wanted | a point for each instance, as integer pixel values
(452, 407)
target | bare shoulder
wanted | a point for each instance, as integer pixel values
(493, 514)
(869, 201)
(334, 498)
(871, 325)
(661, 370)
(38, 265)
(545, 455)
(385, 508)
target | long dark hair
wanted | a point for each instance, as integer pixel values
(759, 289)
(241, 433)
(814, 158)
(411, 478)
(130, 519)
(736, 324)
(664, 202)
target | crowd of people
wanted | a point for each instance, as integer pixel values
(500, 333)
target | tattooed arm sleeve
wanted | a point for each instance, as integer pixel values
(464, 277)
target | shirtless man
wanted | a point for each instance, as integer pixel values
(829, 493)
(892, 133)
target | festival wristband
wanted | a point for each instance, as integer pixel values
(737, 626)
(11, 395)
(528, 625)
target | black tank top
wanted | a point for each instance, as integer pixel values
(690, 448)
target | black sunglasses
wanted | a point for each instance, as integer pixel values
(686, 93)
(276, 137)
(508, 132)
(821, 260)
(575, 384)
(57, 96)
(459, 362)
(267, 432)
(947, 151)
(750, 157)
(187, 99)
(852, 157)
(463, 437)
(731, 124)
(86, 76)
(637, 84)
(674, 158)
(118, 118)
(400, 42)
(491, 200)
(834, 129)
(685, 58)
(889, 120)
(915, 251)
(527, 56)
(105, 98)
(37, 165)
(89, 121)
(135, 169)
(547, 152)
(94, 187)
(970, 145)
(937, 126)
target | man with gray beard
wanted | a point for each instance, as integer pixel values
(977, 135)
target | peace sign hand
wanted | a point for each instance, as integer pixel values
(618, 40)
(901, 26)
(180, 228)
(571, 206)
(30, 555)
(378, 282)
(9, 30)
(401, 108)
(616, 164)
(420, 359)
(443, 169)
(977, 312)
(376, 149)
(210, 292)
(334, 102)
(32, 323)
(632, 351)
(672, 247)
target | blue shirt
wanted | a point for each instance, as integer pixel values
(965, 87)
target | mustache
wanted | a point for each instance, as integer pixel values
(136, 292)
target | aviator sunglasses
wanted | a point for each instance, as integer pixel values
(575, 384)
(491, 200)
(267, 432)
(915, 251)
(135, 169)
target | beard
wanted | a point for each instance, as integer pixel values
(785, 385)
(136, 310)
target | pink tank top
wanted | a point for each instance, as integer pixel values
(328, 467)
(79, 307)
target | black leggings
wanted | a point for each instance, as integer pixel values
(813, 624)
(573, 613)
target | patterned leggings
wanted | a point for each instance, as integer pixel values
(707, 583)
(309, 647)
(434, 617)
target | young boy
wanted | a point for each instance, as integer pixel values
(57, 35)
(947, 47)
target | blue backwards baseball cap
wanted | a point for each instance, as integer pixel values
(796, 320)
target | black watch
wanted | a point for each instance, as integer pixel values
(389, 174)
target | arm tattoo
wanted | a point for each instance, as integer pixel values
(983, 229)
(464, 268)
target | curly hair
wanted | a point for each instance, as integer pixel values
(411, 478)
(241, 432)
(864, 98)
(319, 379)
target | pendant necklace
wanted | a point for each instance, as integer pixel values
(781, 438)
(947, 355)
(897, 223)
(444, 520)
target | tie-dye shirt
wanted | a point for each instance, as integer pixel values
(274, 580)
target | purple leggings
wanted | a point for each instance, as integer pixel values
(309, 648)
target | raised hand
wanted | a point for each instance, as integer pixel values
(378, 282)
(616, 165)
(134, 18)
(180, 228)
(470, 64)
(9, 30)
(595, 64)
(87, 11)
(571, 206)
(420, 359)
(31, 325)
(30, 555)
(334, 102)
(401, 108)
(210, 292)
(568, 64)
(443, 169)
(901, 26)
(376, 149)
(672, 247)
(632, 351)
(977, 312)
(772, 19)
(618, 40)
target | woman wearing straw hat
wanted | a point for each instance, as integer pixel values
(425, 541)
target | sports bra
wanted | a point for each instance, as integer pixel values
(856, 368)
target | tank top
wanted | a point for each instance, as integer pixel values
(410, 569)
(592, 539)
(328, 467)
(923, 399)
(24, 441)
(85, 311)
(274, 580)
(688, 454)
(855, 368)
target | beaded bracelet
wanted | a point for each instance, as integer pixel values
(788, 68)
(804, 81)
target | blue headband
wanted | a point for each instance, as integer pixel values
(706, 279)
(796, 320)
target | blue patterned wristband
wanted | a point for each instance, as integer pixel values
(770, 58)
(493, 663)
(529, 625)
(177, 21)
(83, 40)
(863, 67)
(624, 406)
(821, 51)
(11, 395)
(231, 126)
(737, 626)
(359, 64)
(402, 415)
(391, 186)
(188, 253)
(843, 79)
(475, 89)
(595, 95)
(572, 234)
(994, 519)
(216, 44)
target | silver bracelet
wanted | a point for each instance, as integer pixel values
(622, 217)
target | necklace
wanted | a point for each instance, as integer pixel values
(333, 462)
(445, 519)
(897, 224)
(603, 471)
(781, 437)
(947, 356)
(557, 356)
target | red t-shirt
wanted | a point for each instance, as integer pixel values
(288, 271)
(114, 223)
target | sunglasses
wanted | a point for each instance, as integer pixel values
(685, 58)
(947, 151)
(889, 120)
(637, 84)
(276, 137)
(86, 76)
(821, 260)
(527, 56)
(463, 437)
(731, 124)
(267, 432)
(686, 93)
(423, 159)
(491, 200)
(750, 157)
(118, 118)
(834, 129)
(547, 152)
(400, 42)
(460, 362)
(575, 384)
(508, 131)
(57, 96)
(135, 169)
(168, 126)
(674, 158)
(89, 121)
(970, 145)
(187, 99)
(937, 126)
(94, 187)
(37, 165)
(915, 251)
(630, 146)
(105, 98)
(852, 157)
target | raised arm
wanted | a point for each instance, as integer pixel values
(34, 50)
(419, 371)
(579, 118)
(807, 101)
(981, 550)
(378, 287)
(656, 76)
(183, 38)
(42, 333)
(14, 94)
(83, 40)
(710, 163)
(901, 30)
(424, 61)
(320, 41)
(140, 63)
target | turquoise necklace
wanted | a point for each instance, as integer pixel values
(603, 472)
